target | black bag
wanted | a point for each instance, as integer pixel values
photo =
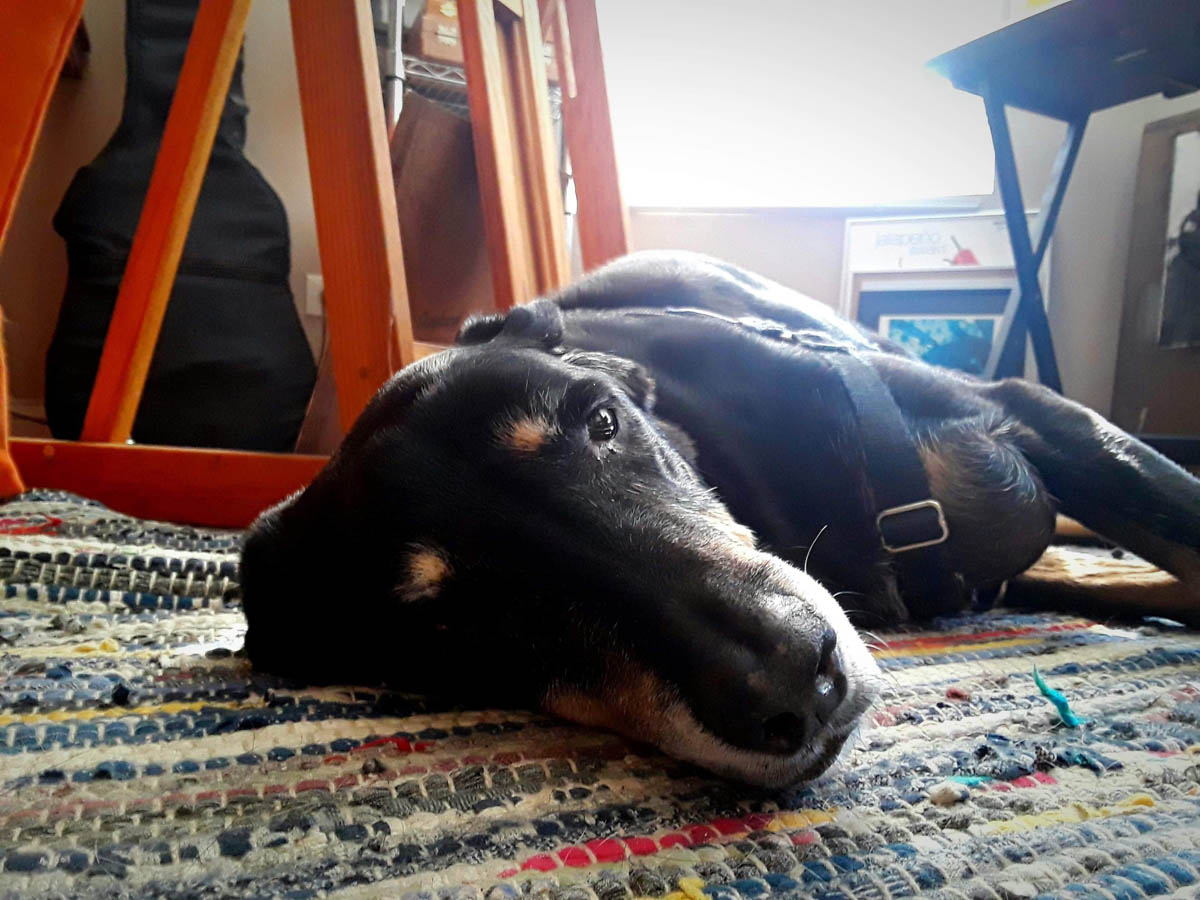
(1181, 288)
(232, 367)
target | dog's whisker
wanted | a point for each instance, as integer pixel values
(813, 544)
(872, 635)
(856, 612)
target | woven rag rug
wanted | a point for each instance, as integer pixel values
(140, 756)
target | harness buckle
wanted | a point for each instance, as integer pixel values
(902, 528)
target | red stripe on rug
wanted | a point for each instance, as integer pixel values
(611, 850)
(939, 640)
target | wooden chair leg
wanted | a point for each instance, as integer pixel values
(358, 229)
(33, 44)
(166, 216)
(603, 219)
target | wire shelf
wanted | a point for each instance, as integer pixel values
(446, 85)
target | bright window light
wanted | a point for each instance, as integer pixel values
(793, 103)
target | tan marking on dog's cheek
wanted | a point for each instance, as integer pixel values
(938, 469)
(527, 435)
(426, 569)
(735, 529)
(743, 534)
(631, 701)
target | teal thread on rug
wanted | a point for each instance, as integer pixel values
(971, 780)
(1061, 704)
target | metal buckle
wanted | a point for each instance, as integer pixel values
(913, 507)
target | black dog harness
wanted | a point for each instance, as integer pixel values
(911, 523)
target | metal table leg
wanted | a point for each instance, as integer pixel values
(1024, 309)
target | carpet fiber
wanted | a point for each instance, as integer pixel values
(140, 756)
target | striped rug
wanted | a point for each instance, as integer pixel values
(139, 756)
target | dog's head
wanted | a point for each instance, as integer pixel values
(507, 523)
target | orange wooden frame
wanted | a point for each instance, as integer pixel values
(215, 487)
(357, 230)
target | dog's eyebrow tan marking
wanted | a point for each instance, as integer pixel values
(735, 529)
(527, 434)
(427, 568)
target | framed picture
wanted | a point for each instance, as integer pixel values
(1158, 356)
(937, 285)
(1179, 317)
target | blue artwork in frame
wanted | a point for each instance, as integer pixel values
(954, 342)
(951, 328)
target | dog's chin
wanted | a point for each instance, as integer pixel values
(647, 709)
(683, 737)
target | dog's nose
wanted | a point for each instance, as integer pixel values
(811, 703)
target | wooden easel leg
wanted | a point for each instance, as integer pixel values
(501, 182)
(10, 478)
(358, 230)
(538, 153)
(33, 44)
(166, 216)
(603, 219)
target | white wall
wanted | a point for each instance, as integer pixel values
(804, 249)
(275, 131)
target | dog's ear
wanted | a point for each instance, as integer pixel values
(538, 323)
(300, 612)
(636, 380)
(479, 329)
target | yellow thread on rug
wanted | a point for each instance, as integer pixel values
(1069, 815)
(108, 645)
(689, 889)
(119, 712)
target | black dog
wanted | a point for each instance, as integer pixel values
(598, 504)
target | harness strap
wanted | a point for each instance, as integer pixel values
(911, 523)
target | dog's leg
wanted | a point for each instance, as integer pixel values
(1109, 481)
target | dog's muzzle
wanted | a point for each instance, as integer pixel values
(765, 680)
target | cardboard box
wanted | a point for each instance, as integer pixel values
(437, 36)
(446, 263)
(437, 39)
(441, 9)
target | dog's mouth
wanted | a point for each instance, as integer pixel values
(686, 738)
(771, 718)
(652, 711)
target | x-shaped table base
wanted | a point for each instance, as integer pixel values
(1025, 311)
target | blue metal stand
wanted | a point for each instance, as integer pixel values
(1025, 312)
(1066, 62)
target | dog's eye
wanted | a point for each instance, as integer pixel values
(602, 424)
